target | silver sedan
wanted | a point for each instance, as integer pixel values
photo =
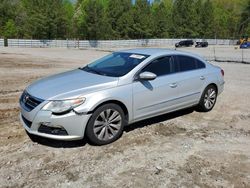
(98, 100)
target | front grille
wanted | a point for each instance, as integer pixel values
(29, 102)
(52, 130)
(27, 122)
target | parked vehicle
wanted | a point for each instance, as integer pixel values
(243, 39)
(201, 44)
(184, 43)
(245, 45)
(98, 100)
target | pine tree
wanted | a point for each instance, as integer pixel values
(207, 20)
(245, 20)
(160, 21)
(10, 30)
(125, 25)
(10, 18)
(45, 19)
(96, 21)
(199, 24)
(123, 19)
(184, 18)
(142, 20)
(120, 18)
(79, 21)
(68, 9)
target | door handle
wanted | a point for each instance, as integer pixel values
(173, 85)
(202, 78)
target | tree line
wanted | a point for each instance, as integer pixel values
(124, 19)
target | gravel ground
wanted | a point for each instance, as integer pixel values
(181, 149)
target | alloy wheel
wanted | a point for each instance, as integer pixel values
(210, 98)
(107, 124)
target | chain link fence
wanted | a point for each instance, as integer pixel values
(105, 43)
(218, 49)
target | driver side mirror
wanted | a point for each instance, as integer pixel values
(147, 76)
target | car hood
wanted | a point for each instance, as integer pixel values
(69, 85)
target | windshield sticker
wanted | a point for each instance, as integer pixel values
(137, 56)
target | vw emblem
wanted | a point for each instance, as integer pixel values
(25, 98)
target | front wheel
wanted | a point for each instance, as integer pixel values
(106, 124)
(208, 99)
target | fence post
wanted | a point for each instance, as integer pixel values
(242, 55)
(5, 42)
(214, 53)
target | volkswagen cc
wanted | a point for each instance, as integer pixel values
(124, 87)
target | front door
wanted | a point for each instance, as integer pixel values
(156, 96)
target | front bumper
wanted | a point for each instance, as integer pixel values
(45, 124)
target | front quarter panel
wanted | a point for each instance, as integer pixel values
(122, 94)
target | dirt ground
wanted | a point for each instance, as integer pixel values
(181, 149)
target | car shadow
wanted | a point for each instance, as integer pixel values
(137, 125)
(59, 143)
(158, 119)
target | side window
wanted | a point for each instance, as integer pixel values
(186, 63)
(161, 66)
(200, 65)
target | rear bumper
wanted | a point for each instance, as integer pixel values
(221, 87)
(64, 127)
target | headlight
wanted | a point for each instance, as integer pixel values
(63, 106)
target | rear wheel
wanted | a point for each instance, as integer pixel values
(208, 99)
(106, 124)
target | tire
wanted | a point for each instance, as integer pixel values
(208, 99)
(106, 124)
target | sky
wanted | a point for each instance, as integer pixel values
(148, 0)
(132, 1)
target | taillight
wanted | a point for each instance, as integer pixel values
(222, 72)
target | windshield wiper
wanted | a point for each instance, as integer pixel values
(88, 69)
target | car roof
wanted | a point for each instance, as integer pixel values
(159, 52)
(148, 51)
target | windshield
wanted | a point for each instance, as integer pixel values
(116, 64)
